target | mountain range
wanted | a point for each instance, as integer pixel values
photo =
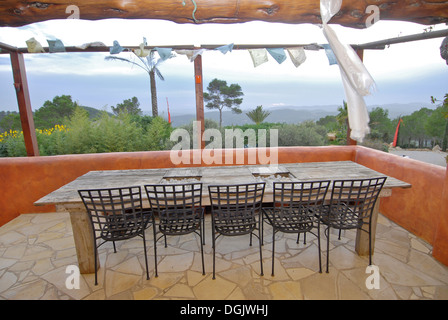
(292, 114)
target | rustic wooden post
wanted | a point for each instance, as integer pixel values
(199, 89)
(24, 102)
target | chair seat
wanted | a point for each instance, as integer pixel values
(341, 217)
(294, 221)
(177, 223)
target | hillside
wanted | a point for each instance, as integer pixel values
(293, 114)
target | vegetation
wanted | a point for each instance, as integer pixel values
(258, 115)
(147, 62)
(65, 127)
(220, 96)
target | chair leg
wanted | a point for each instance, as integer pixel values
(328, 246)
(155, 248)
(213, 245)
(318, 248)
(96, 264)
(261, 253)
(202, 251)
(146, 256)
(115, 249)
(273, 249)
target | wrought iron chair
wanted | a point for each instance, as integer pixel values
(296, 209)
(236, 211)
(351, 206)
(180, 212)
(116, 214)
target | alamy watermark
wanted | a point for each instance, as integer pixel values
(230, 147)
(373, 280)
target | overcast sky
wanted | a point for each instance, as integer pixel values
(404, 73)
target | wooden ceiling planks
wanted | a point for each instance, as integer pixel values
(353, 13)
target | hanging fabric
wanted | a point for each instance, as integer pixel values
(34, 46)
(297, 55)
(116, 48)
(164, 53)
(330, 54)
(226, 48)
(356, 79)
(278, 54)
(55, 46)
(259, 56)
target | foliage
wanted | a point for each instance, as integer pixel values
(130, 106)
(122, 133)
(220, 96)
(150, 65)
(258, 115)
(54, 112)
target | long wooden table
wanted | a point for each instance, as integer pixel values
(66, 198)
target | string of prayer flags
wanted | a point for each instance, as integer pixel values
(297, 55)
(116, 48)
(226, 48)
(164, 53)
(55, 46)
(259, 56)
(330, 54)
(278, 54)
(34, 46)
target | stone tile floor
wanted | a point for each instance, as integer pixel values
(35, 250)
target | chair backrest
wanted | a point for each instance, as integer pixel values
(303, 198)
(355, 198)
(235, 207)
(179, 206)
(116, 213)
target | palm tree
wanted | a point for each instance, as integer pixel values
(150, 65)
(258, 115)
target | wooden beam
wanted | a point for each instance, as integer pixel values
(353, 14)
(24, 102)
(199, 91)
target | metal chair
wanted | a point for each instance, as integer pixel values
(116, 214)
(236, 211)
(296, 209)
(351, 206)
(180, 212)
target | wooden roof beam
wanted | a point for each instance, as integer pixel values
(353, 13)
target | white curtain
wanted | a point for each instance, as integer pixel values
(356, 79)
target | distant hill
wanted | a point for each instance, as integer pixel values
(291, 114)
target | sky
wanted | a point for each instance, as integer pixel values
(404, 73)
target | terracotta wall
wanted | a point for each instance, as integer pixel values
(422, 209)
(26, 180)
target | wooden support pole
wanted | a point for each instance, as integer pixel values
(24, 102)
(199, 89)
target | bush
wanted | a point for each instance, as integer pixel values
(123, 133)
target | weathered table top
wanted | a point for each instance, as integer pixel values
(216, 175)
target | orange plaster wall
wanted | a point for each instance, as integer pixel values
(26, 180)
(419, 208)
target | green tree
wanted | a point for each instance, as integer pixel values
(258, 115)
(444, 115)
(9, 121)
(54, 112)
(130, 106)
(220, 96)
(381, 127)
(150, 65)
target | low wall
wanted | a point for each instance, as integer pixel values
(421, 209)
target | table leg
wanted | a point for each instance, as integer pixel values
(83, 236)
(362, 238)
